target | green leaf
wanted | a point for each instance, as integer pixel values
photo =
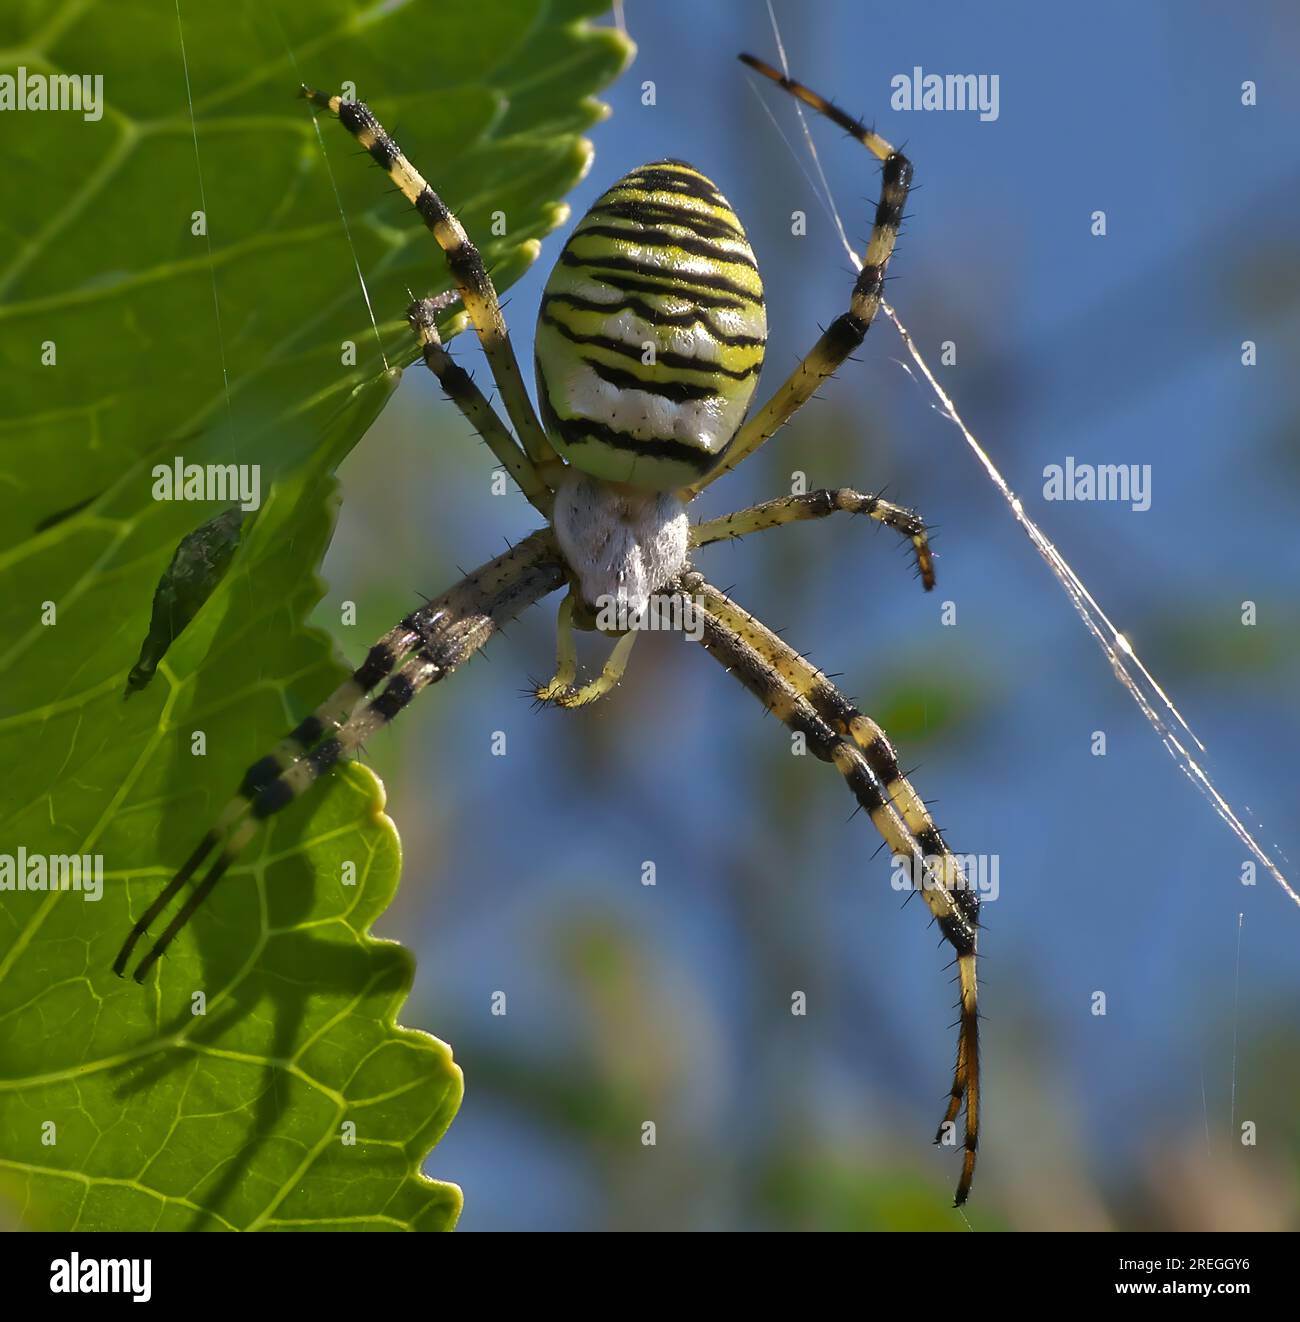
(199, 565)
(224, 1093)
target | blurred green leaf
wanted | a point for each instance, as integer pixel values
(1195, 644)
(924, 701)
(834, 1190)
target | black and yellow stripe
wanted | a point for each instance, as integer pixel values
(818, 505)
(801, 696)
(426, 647)
(477, 292)
(849, 329)
(461, 390)
(651, 331)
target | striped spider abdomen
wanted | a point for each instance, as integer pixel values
(651, 331)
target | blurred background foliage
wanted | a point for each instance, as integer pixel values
(671, 1003)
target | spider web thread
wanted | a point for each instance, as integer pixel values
(1133, 675)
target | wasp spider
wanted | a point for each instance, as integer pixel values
(649, 342)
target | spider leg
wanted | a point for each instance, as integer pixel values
(326, 719)
(798, 694)
(817, 505)
(561, 690)
(848, 330)
(477, 292)
(426, 647)
(459, 387)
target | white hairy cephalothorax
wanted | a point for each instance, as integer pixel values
(622, 544)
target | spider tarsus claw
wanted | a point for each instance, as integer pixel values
(124, 955)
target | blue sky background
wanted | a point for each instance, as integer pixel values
(671, 1003)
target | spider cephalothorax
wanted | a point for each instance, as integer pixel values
(621, 544)
(649, 344)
